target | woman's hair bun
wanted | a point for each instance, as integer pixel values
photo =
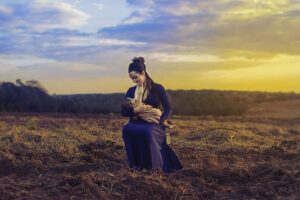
(138, 60)
(138, 65)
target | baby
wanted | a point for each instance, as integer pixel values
(147, 112)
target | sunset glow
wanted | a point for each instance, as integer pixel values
(77, 46)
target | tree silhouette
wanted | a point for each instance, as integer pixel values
(31, 96)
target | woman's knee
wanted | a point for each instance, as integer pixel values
(125, 130)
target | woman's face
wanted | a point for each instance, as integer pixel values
(137, 77)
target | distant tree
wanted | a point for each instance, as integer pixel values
(19, 82)
(36, 84)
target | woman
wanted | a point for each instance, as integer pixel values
(145, 142)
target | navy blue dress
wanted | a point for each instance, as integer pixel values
(145, 142)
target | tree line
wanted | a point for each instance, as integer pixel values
(31, 96)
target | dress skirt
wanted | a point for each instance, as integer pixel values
(146, 147)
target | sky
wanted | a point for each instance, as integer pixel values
(86, 46)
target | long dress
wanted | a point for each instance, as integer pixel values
(145, 142)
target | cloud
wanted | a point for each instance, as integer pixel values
(91, 41)
(195, 58)
(41, 15)
(141, 3)
(32, 67)
(167, 23)
(99, 6)
(218, 26)
(15, 61)
(138, 16)
(5, 11)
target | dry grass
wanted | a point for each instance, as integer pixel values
(83, 157)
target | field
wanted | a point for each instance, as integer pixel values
(64, 156)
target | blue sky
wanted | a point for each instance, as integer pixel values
(80, 46)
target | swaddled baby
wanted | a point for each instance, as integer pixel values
(146, 112)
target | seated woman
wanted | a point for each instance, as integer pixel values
(145, 140)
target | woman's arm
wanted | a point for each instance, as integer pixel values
(126, 111)
(165, 101)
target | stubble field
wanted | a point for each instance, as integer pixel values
(65, 156)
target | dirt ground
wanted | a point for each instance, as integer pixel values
(64, 156)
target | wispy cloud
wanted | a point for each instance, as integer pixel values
(99, 6)
(5, 11)
(196, 58)
(14, 61)
(41, 15)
